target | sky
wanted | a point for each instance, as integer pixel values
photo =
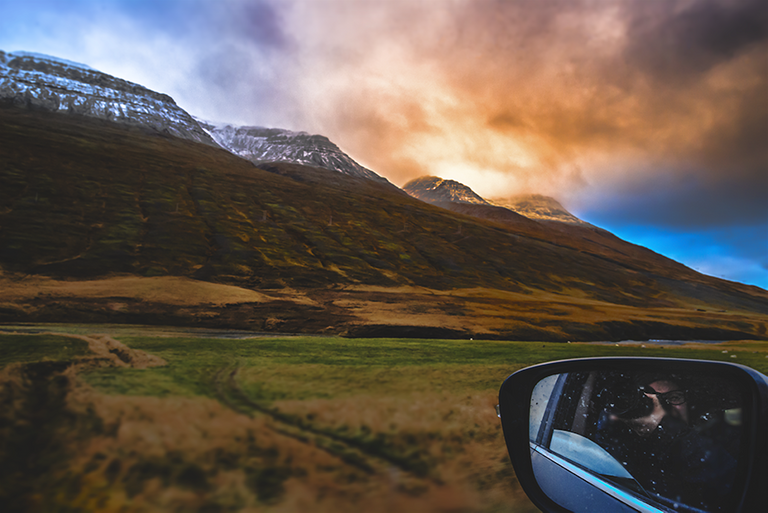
(646, 118)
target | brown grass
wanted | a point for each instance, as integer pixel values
(173, 290)
(146, 454)
(224, 447)
(483, 311)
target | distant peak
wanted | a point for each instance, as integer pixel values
(427, 182)
(434, 189)
(539, 208)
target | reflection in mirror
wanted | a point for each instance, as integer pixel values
(663, 440)
(541, 393)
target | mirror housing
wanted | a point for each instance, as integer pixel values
(554, 494)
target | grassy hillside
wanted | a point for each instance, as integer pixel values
(88, 200)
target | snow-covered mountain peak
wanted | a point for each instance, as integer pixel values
(41, 81)
(260, 144)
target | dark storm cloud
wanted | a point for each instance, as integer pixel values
(708, 64)
(685, 202)
(672, 43)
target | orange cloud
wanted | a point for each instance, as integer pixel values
(546, 97)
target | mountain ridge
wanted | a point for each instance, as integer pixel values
(260, 144)
(90, 193)
(42, 81)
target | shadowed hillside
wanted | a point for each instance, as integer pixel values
(82, 199)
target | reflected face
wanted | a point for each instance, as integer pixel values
(676, 410)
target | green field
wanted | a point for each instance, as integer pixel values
(272, 424)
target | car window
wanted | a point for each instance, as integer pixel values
(675, 440)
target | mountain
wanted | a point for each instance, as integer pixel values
(108, 222)
(539, 208)
(436, 190)
(259, 145)
(116, 206)
(49, 83)
(46, 82)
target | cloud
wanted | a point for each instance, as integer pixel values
(634, 112)
(562, 97)
(558, 97)
(672, 43)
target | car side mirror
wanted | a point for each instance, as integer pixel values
(638, 434)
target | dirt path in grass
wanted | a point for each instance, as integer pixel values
(120, 354)
(109, 350)
(357, 453)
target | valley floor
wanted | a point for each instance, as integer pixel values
(103, 418)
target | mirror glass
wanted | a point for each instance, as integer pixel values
(643, 441)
